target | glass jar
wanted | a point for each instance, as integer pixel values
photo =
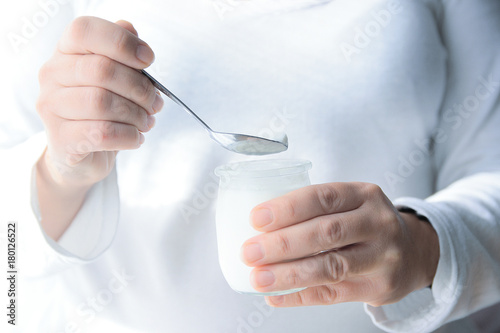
(243, 186)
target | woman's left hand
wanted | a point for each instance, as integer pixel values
(345, 242)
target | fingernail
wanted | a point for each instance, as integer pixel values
(261, 217)
(141, 138)
(151, 122)
(158, 103)
(252, 252)
(263, 278)
(145, 54)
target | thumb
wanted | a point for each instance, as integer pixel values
(127, 25)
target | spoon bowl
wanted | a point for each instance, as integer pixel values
(238, 143)
(248, 144)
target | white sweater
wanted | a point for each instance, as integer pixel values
(404, 94)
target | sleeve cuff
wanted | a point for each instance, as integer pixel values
(93, 229)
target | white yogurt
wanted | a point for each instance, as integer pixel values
(243, 186)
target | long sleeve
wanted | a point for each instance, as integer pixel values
(465, 210)
(22, 142)
(89, 234)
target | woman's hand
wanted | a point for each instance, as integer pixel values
(93, 102)
(345, 242)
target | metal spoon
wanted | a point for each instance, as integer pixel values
(238, 143)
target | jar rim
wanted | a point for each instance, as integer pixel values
(263, 168)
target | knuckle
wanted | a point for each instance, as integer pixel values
(103, 69)
(100, 99)
(300, 299)
(42, 106)
(45, 73)
(144, 91)
(130, 113)
(293, 278)
(100, 133)
(326, 295)
(79, 28)
(388, 215)
(327, 197)
(119, 107)
(289, 207)
(390, 221)
(107, 131)
(372, 190)
(311, 267)
(120, 40)
(393, 257)
(335, 267)
(329, 232)
(283, 245)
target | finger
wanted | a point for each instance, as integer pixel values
(347, 291)
(325, 268)
(322, 233)
(127, 25)
(306, 203)
(92, 103)
(87, 35)
(83, 137)
(99, 71)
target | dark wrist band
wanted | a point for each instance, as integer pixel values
(414, 212)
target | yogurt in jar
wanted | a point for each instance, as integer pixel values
(243, 186)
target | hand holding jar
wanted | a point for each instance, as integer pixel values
(344, 242)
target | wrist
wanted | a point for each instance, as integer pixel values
(59, 200)
(426, 247)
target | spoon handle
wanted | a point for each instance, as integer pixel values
(167, 93)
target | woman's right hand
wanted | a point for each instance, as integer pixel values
(93, 100)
